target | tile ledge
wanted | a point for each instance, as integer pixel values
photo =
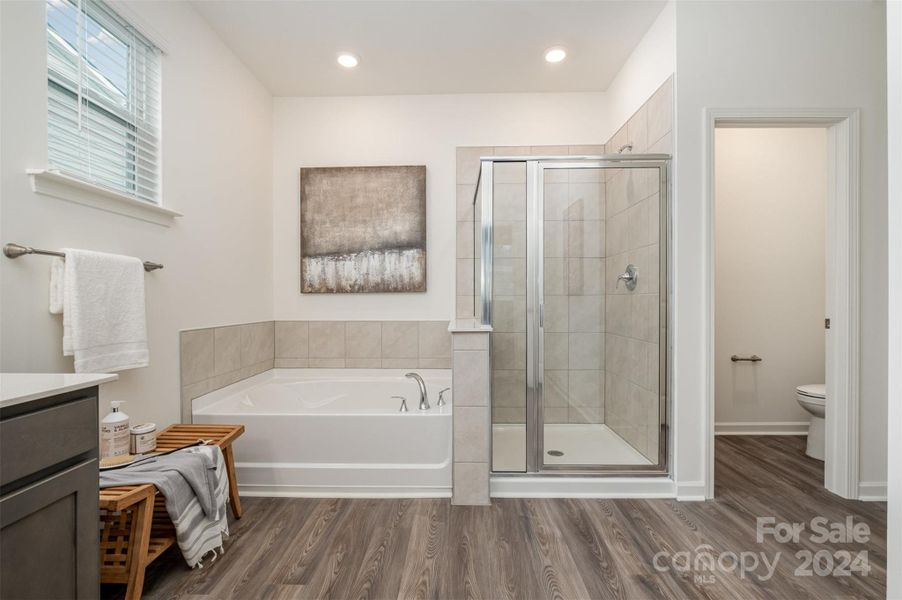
(468, 326)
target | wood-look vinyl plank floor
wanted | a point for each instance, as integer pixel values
(520, 549)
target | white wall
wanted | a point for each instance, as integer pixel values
(776, 54)
(406, 130)
(894, 420)
(651, 63)
(770, 195)
(217, 124)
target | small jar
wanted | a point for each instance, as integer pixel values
(144, 438)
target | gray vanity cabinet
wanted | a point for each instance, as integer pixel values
(49, 546)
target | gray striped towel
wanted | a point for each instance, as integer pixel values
(196, 487)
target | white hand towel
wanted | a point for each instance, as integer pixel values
(57, 285)
(104, 323)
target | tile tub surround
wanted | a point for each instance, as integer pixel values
(472, 415)
(214, 357)
(633, 330)
(363, 344)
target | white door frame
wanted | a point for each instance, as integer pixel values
(843, 189)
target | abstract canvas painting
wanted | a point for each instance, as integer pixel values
(363, 229)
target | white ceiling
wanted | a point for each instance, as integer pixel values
(430, 47)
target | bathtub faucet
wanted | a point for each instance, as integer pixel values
(424, 401)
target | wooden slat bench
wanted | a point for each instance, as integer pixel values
(135, 525)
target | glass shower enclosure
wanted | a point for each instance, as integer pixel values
(572, 276)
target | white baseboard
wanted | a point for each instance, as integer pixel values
(872, 491)
(581, 487)
(691, 491)
(761, 428)
(350, 491)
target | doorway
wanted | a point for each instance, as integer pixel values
(770, 282)
(841, 444)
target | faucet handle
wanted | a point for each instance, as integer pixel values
(441, 396)
(403, 403)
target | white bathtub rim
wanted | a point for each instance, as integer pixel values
(205, 401)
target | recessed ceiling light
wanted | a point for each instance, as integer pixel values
(347, 60)
(555, 54)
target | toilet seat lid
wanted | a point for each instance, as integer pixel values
(813, 390)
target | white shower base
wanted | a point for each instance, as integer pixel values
(589, 444)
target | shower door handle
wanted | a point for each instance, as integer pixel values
(542, 314)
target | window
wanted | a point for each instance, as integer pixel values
(103, 89)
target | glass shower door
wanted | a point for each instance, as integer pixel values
(597, 362)
(573, 283)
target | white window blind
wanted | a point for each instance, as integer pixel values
(103, 84)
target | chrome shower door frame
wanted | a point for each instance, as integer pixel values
(536, 166)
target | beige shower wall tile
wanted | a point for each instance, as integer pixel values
(556, 350)
(434, 340)
(326, 339)
(509, 172)
(471, 377)
(363, 363)
(257, 343)
(509, 277)
(291, 339)
(556, 388)
(663, 145)
(637, 130)
(470, 483)
(509, 239)
(291, 363)
(472, 426)
(227, 344)
(364, 339)
(557, 314)
(465, 276)
(555, 242)
(586, 239)
(557, 201)
(466, 210)
(509, 202)
(327, 363)
(590, 150)
(586, 201)
(509, 314)
(197, 355)
(509, 388)
(464, 241)
(468, 163)
(464, 306)
(400, 339)
(434, 363)
(586, 350)
(508, 350)
(587, 314)
(586, 276)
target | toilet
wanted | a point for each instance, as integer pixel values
(813, 397)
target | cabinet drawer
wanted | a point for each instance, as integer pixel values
(41, 439)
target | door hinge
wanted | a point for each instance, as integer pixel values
(827, 323)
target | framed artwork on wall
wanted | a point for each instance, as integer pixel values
(363, 230)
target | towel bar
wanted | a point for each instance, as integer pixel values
(752, 358)
(17, 250)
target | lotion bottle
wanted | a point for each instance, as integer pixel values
(114, 433)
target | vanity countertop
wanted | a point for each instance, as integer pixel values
(16, 388)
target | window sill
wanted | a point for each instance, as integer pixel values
(64, 187)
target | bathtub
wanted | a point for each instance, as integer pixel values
(336, 433)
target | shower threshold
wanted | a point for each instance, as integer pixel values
(565, 444)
